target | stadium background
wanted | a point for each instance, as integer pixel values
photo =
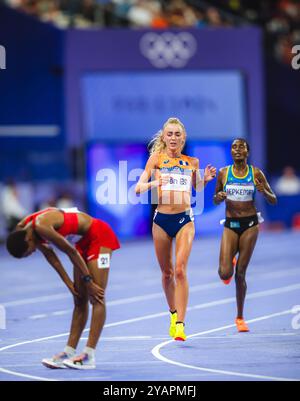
(85, 87)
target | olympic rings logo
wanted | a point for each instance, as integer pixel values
(168, 49)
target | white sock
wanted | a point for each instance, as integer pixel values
(69, 350)
(90, 351)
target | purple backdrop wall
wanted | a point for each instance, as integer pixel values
(117, 50)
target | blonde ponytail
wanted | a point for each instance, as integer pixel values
(157, 144)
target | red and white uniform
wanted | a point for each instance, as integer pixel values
(100, 234)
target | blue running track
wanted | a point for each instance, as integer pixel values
(135, 343)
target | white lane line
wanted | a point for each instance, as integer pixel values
(36, 300)
(156, 352)
(60, 312)
(157, 295)
(276, 291)
(45, 379)
(156, 315)
(255, 295)
(122, 301)
(37, 317)
(29, 288)
(128, 338)
(237, 336)
(129, 300)
(259, 294)
(120, 323)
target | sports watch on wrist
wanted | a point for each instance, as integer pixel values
(87, 278)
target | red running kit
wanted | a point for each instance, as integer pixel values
(100, 234)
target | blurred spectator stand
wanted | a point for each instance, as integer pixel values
(287, 189)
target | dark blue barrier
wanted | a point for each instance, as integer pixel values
(32, 136)
(286, 208)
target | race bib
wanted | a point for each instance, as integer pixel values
(104, 261)
(240, 193)
(177, 182)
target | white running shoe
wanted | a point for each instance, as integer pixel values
(82, 362)
(57, 362)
